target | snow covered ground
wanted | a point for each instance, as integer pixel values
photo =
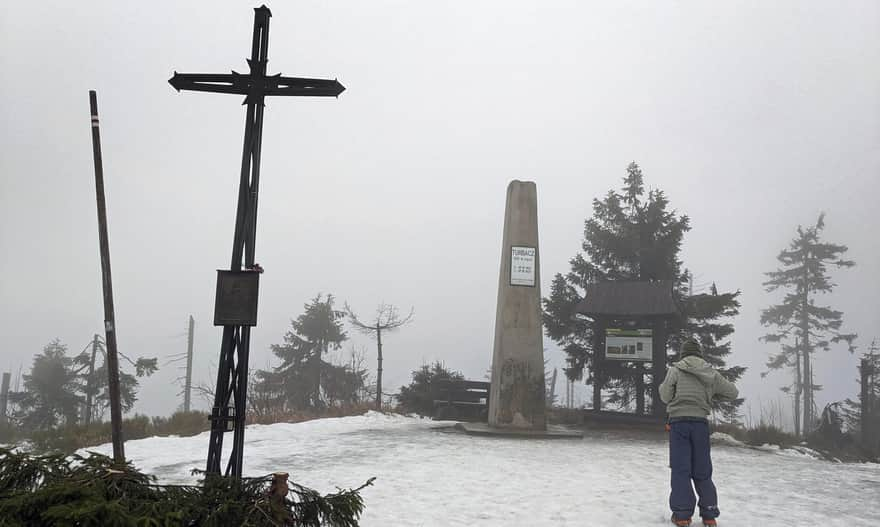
(428, 477)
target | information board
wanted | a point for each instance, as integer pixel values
(628, 344)
(522, 266)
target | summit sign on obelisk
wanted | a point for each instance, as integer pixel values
(516, 399)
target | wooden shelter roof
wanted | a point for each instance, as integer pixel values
(629, 299)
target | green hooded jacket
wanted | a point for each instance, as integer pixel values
(690, 385)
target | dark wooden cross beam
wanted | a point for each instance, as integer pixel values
(237, 288)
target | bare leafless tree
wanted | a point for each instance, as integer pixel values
(204, 389)
(387, 319)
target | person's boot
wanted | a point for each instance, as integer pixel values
(680, 522)
(709, 522)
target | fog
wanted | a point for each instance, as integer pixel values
(753, 118)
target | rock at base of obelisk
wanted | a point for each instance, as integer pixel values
(517, 396)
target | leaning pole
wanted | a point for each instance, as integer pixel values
(109, 315)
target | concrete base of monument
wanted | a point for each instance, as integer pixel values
(552, 431)
(610, 418)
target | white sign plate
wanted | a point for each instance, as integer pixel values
(522, 266)
(628, 344)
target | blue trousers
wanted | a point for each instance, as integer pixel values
(691, 461)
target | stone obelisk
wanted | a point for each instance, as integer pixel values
(517, 392)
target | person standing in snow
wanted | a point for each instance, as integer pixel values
(688, 390)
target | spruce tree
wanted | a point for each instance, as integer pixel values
(633, 235)
(56, 389)
(50, 397)
(315, 332)
(799, 325)
(98, 382)
(59, 490)
(418, 396)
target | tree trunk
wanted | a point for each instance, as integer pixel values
(808, 391)
(379, 369)
(187, 387)
(90, 385)
(598, 339)
(865, 399)
(4, 397)
(798, 389)
(805, 342)
(316, 398)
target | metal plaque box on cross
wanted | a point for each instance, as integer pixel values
(236, 302)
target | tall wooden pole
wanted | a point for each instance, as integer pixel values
(187, 389)
(109, 317)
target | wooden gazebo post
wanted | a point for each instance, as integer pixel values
(658, 365)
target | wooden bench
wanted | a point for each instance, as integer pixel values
(461, 400)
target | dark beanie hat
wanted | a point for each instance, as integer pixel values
(691, 347)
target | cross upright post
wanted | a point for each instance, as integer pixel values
(237, 289)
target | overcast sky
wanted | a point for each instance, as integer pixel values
(753, 117)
